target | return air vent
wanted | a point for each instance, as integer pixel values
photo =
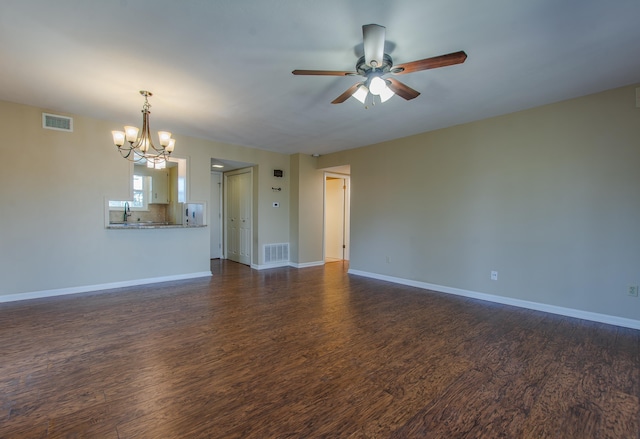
(57, 122)
(276, 253)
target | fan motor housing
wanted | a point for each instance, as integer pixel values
(364, 69)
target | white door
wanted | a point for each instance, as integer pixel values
(238, 215)
(232, 218)
(215, 225)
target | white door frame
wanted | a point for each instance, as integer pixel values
(347, 213)
(213, 217)
(224, 210)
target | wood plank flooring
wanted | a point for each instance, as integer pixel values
(308, 353)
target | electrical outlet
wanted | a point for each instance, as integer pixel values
(633, 290)
(494, 275)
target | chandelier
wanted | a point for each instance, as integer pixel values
(141, 149)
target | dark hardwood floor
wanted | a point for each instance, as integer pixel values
(309, 353)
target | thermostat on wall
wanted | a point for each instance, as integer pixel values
(278, 173)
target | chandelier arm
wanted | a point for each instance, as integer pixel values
(125, 151)
(146, 130)
(129, 154)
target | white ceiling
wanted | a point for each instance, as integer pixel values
(221, 70)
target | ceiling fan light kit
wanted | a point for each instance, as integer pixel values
(377, 85)
(375, 64)
(361, 93)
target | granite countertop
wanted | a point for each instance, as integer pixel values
(151, 225)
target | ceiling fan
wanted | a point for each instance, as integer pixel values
(375, 64)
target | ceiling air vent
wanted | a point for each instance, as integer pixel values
(57, 122)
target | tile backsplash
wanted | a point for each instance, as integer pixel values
(157, 213)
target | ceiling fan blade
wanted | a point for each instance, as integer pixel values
(347, 94)
(430, 63)
(373, 39)
(402, 90)
(323, 72)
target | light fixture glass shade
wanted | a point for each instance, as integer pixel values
(377, 85)
(171, 145)
(361, 93)
(131, 133)
(165, 137)
(118, 137)
(386, 94)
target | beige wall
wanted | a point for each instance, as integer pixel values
(53, 189)
(307, 210)
(273, 224)
(548, 197)
(294, 197)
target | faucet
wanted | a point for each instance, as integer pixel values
(127, 211)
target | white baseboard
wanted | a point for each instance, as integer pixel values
(568, 312)
(286, 264)
(98, 287)
(267, 266)
(306, 264)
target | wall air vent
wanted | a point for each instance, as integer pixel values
(57, 122)
(276, 253)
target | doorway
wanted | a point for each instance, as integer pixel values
(336, 217)
(238, 200)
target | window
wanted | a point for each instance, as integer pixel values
(141, 193)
